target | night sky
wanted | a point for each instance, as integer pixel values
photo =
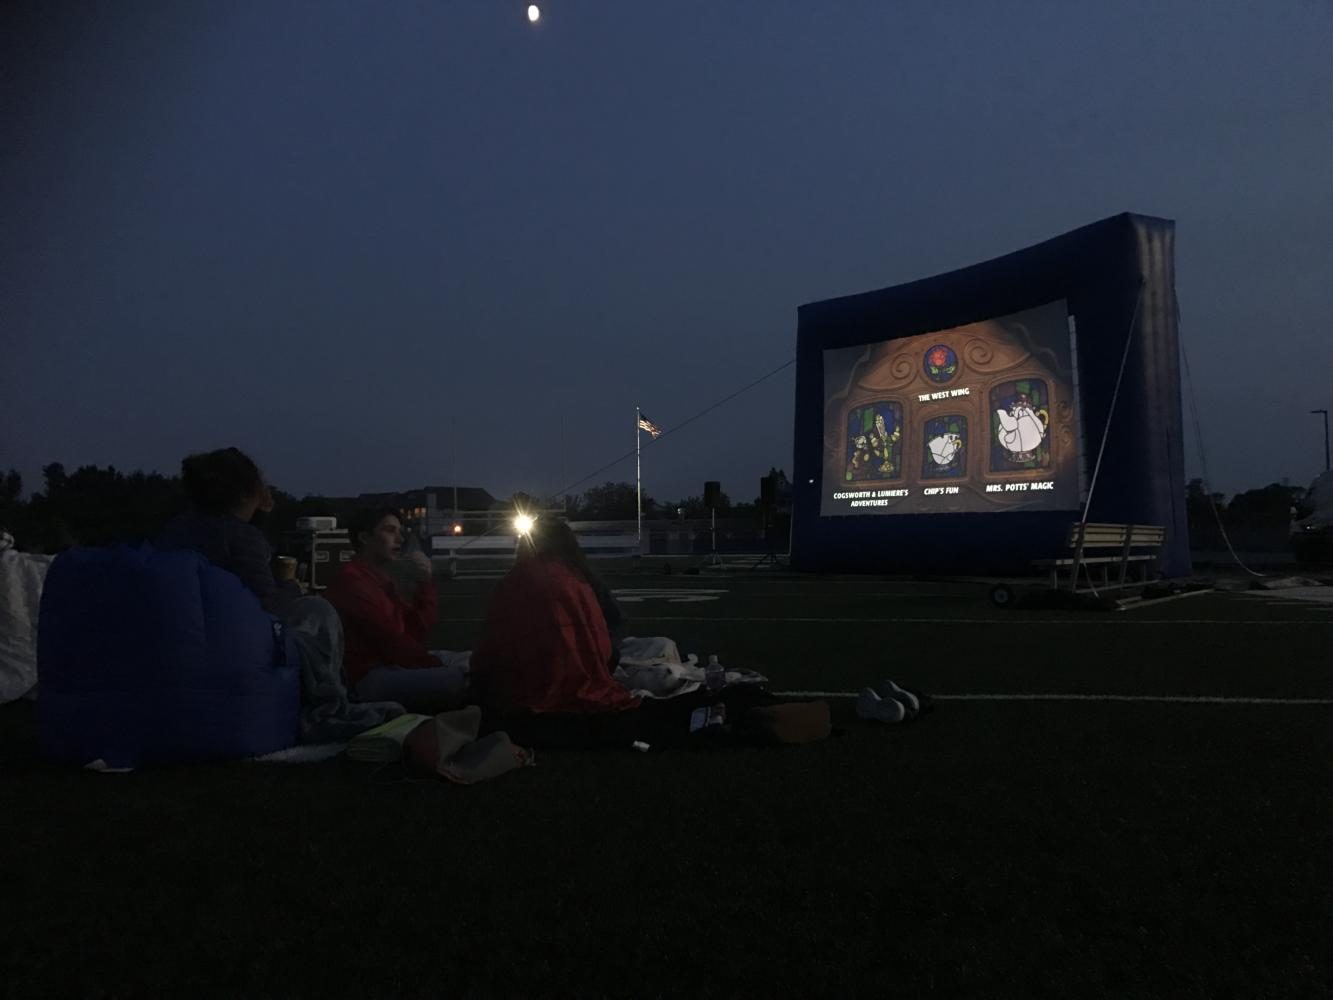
(383, 244)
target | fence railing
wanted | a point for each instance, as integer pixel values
(496, 546)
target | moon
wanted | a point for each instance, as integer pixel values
(534, 13)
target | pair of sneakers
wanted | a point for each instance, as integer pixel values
(887, 702)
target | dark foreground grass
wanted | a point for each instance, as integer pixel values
(1023, 850)
(991, 849)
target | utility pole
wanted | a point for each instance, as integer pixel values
(638, 482)
(1325, 413)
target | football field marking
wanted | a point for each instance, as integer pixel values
(672, 595)
(1007, 620)
(1167, 699)
(1117, 621)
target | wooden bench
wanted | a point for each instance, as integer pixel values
(1107, 545)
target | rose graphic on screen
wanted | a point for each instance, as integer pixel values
(940, 363)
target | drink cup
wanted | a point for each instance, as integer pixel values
(284, 568)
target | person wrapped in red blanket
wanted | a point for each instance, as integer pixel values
(541, 670)
(546, 647)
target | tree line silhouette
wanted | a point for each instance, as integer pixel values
(105, 506)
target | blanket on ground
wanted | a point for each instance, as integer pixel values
(328, 715)
(21, 579)
(448, 746)
(652, 668)
(307, 753)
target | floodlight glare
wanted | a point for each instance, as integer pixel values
(534, 12)
(522, 524)
(458, 529)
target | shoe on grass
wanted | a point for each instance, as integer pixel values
(911, 702)
(870, 706)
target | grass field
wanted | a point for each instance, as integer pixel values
(1001, 846)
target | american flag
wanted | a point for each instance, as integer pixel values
(647, 425)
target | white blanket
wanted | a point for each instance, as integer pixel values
(652, 668)
(21, 579)
(462, 659)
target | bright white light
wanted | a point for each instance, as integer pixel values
(458, 529)
(534, 13)
(522, 524)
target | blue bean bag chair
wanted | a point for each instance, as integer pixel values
(146, 656)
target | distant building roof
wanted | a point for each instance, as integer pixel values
(395, 501)
(469, 497)
(472, 498)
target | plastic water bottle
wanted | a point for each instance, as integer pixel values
(715, 676)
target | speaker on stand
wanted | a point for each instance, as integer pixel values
(768, 500)
(712, 497)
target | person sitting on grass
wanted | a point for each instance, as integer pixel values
(546, 646)
(541, 670)
(226, 490)
(386, 657)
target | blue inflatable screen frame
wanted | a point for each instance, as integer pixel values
(1117, 278)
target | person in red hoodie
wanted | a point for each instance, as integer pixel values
(386, 657)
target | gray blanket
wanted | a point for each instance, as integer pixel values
(327, 714)
(448, 746)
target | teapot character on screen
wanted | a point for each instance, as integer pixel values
(1022, 429)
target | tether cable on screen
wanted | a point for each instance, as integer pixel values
(630, 454)
(1106, 433)
(1115, 395)
(1203, 458)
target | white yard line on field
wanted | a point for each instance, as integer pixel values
(1169, 699)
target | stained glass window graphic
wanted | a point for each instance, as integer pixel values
(875, 441)
(940, 364)
(944, 448)
(1020, 420)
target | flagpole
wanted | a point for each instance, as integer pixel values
(638, 480)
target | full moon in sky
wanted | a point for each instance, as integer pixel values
(534, 13)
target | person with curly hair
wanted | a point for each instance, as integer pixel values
(226, 491)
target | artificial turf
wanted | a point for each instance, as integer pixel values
(1012, 848)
